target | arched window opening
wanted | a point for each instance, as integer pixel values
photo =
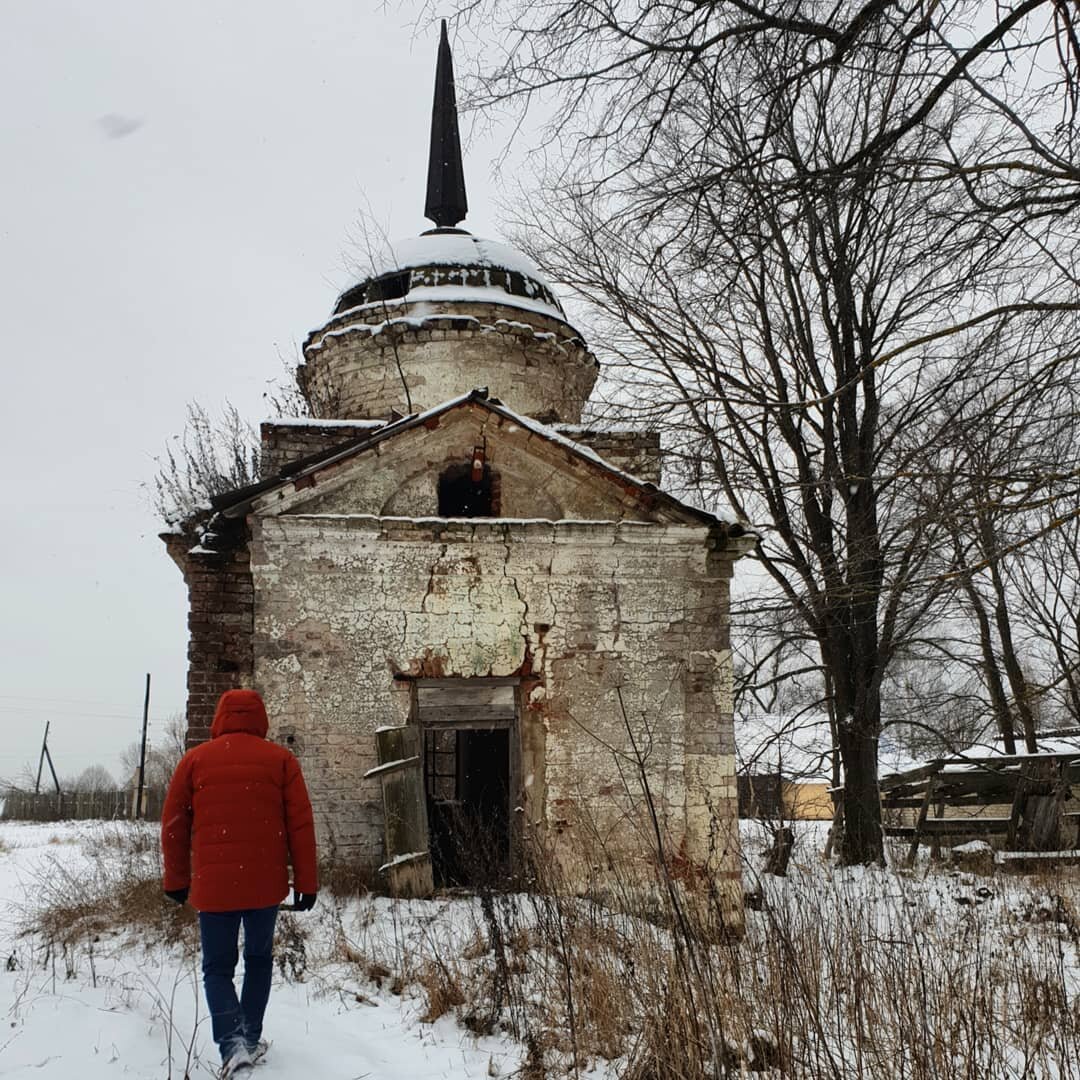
(466, 491)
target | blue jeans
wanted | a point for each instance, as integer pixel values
(235, 1022)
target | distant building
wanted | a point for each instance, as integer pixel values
(449, 554)
(785, 767)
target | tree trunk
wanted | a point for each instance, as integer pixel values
(852, 659)
(1018, 686)
(863, 839)
(998, 700)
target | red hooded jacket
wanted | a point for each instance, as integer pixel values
(236, 814)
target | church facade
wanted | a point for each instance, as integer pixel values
(480, 624)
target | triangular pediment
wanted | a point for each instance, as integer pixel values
(534, 473)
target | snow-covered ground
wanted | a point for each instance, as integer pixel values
(860, 972)
(125, 1009)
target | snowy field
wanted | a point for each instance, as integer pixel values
(120, 1007)
(844, 973)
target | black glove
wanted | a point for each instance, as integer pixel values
(179, 895)
(303, 901)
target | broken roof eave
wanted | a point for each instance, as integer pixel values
(241, 502)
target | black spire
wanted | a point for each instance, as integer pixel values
(446, 204)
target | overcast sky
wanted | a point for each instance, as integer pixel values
(178, 188)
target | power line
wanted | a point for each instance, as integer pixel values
(73, 701)
(77, 714)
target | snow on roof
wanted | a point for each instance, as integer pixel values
(422, 317)
(798, 747)
(477, 294)
(308, 421)
(452, 249)
(975, 756)
(1050, 742)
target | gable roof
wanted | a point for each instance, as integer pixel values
(302, 474)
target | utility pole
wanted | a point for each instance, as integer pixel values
(142, 750)
(56, 782)
(41, 759)
(46, 756)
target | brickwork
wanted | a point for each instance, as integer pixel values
(221, 603)
(635, 452)
(593, 618)
(283, 442)
(417, 359)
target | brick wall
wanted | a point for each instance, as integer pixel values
(635, 452)
(220, 607)
(534, 364)
(285, 441)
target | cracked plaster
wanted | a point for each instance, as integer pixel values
(580, 612)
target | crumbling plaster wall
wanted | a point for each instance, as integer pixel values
(365, 360)
(581, 612)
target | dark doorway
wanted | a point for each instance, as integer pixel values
(467, 777)
(460, 495)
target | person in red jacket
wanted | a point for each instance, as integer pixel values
(236, 815)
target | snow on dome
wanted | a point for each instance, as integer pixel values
(456, 249)
(453, 266)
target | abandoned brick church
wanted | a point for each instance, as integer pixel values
(458, 601)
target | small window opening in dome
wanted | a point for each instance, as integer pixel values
(389, 287)
(467, 492)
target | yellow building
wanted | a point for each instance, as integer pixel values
(785, 766)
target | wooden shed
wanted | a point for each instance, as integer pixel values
(1025, 804)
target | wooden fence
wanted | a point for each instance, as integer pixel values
(78, 805)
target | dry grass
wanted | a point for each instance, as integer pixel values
(76, 902)
(443, 990)
(858, 973)
(861, 973)
(347, 878)
(291, 948)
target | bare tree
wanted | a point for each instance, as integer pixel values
(1048, 582)
(1003, 454)
(791, 294)
(163, 754)
(615, 72)
(211, 456)
(93, 778)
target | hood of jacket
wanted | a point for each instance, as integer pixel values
(240, 712)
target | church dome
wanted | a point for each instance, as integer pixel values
(445, 313)
(440, 315)
(449, 265)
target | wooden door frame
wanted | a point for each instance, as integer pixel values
(515, 792)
